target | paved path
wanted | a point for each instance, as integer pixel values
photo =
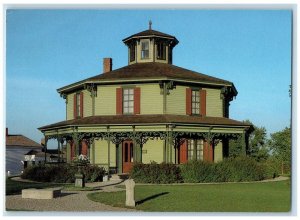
(76, 201)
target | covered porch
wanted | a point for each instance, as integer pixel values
(115, 143)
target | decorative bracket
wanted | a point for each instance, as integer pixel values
(92, 88)
(166, 86)
(64, 96)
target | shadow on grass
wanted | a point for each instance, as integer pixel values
(151, 197)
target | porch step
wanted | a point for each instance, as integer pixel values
(122, 176)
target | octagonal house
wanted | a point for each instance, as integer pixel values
(149, 110)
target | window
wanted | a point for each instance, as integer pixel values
(145, 50)
(190, 149)
(132, 52)
(128, 101)
(161, 51)
(198, 151)
(195, 102)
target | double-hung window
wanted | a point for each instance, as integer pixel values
(198, 150)
(144, 49)
(195, 102)
(190, 149)
(78, 105)
(128, 101)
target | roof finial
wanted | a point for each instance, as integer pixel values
(150, 24)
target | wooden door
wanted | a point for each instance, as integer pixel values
(127, 156)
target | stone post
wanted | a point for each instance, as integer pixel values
(130, 192)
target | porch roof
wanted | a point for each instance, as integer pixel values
(144, 120)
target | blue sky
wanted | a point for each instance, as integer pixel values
(48, 49)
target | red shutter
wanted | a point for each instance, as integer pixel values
(137, 100)
(208, 152)
(119, 101)
(81, 104)
(183, 153)
(203, 102)
(72, 153)
(84, 148)
(75, 106)
(188, 101)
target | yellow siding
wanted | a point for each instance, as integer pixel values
(101, 153)
(154, 149)
(218, 154)
(176, 101)
(214, 103)
(87, 104)
(151, 99)
(105, 102)
(70, 106)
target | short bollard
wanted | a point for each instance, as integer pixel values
(130, 192)
(79, 180)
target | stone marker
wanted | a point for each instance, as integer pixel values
(79, 180)
(130, 192)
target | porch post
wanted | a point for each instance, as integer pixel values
(45, 148)
(58, 148)
(245, 138)
(108, 150)
(171, 144)
(195, 150)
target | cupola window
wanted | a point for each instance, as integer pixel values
(132, 52)
(161, 51)
(145, 49)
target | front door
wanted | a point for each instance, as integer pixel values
(127, 156)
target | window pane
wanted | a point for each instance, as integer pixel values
(126, 153)
(125, 104)
(131, 97)
(130, 110)
(125, 91)
(131, 91)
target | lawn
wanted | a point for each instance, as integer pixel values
(231, 197)
(15, 187)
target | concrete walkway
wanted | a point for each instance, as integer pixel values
(70, 201)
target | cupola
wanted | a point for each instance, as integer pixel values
(150, 46)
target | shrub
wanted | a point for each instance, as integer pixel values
(272, 168)
(155, 173)
(237, 169)
(61, 173)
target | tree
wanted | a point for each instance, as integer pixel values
(280, 145)
(257, 144)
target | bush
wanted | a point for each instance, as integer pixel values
(155, 173)
(237, 169)
(61, 173)
(272, 168)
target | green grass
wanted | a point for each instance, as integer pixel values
(252, 197)
(15, 187)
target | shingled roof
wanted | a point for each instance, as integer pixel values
(151, 33)
(152, 70)
(20, 140)
(146, 119)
